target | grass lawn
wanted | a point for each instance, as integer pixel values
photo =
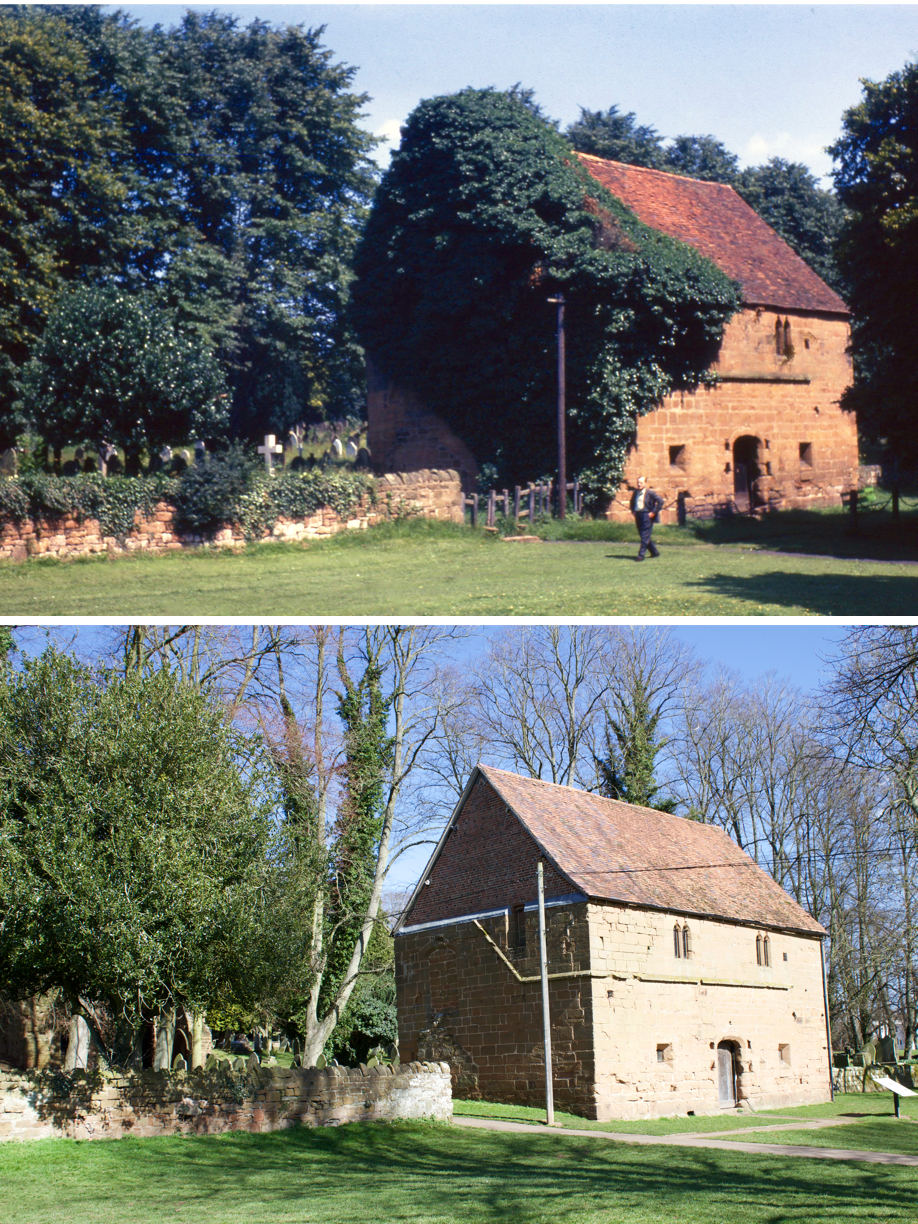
(877, 1129)
(433, 1174)
(435, 569)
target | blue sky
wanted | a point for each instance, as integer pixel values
(767, 80)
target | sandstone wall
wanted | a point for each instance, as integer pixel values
(651, 999)
(460, 1000)
(807, 446)
(424, 493)
(39, 1105)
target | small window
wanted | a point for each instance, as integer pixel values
(785, 955)
(788, 340)
(686, 943)
(758, 950)
(664, 1053)
(518, 929)
(806, 454)
(784, 1054)
(766, 951)
(677, 456)
(677, 941)
(779, 338)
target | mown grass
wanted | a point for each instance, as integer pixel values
(436, 569)
(876, 1128)
(433, 1174)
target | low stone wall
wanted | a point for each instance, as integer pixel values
(87, 1105)
(423, 494)
(857, 1079)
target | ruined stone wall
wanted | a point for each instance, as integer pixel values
(807, 446)
(403, 435)
(460, 1000)
(424, 494)
(39, 1105)
(652, 1000)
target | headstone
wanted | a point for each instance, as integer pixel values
(337, 449)
(90, 465)
(298, 464)
(165, 454)
(239, 1064)
(211, 1062)
(311, 461)
(321, 1062)
(79, 454)
(179, 1064)
(71, 468)
(114, 467)
(200, 453)
(363, 459)
(351, 450)
(155, 465)
(271, 447)
(186, 455)
(8, 462)
(886, 1050)
(178, 465)
(106, 453)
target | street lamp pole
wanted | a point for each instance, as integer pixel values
(562, 408)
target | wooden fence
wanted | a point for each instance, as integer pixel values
(530, 502)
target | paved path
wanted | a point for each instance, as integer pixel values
(703, 1140)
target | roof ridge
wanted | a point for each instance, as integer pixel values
(673, 174)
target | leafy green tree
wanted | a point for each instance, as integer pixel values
(482, 217)
(257, 194)
(808, 218)
(63, 188)
(876, 177)
(627, 771)
(134, 826)
(617, 137)
(116, 367)
(701, 157)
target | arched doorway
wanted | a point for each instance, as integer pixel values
(746, 471)
(726, 1074)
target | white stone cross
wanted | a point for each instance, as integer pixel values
(271, 447)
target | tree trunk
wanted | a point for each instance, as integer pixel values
(78, 1044)
(165, 1035)
(197, 1040)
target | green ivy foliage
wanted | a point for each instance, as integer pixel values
(485, 214)
(112, 500)
(227, 490)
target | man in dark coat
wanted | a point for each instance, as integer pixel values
(645, 506)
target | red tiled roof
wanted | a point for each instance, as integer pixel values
(619, 852)
(720, 224)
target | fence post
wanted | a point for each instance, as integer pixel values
(516, 503)
(492, 507)
(506, 504)
(473, 503)
(532, 503)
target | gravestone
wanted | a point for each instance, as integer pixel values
(271, 448)
(298, 464)
(211, 1062)
(71, 468)
(79, 454)
(200, 453)
(114, 466)
(165, 454)
(351, 450)
(186, 455)
(8, 462)
(179, 1064)
(155, 465)
(179, 464)
(363, 459)
(886, 1050)
(106, 453)
(337, 449)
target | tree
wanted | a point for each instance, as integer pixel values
(617, 137)
(481, 217)
(876, 178)
(63, 189)
(808, 218)
(702, 157)
(115, 367)
(134, 827)
(648, 670)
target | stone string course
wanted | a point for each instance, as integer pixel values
(89, 1105)
(433, 494)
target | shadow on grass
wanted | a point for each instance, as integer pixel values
(822, 532)
(416, 1172)
(823, 594)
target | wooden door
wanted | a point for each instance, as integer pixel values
(726, 1077)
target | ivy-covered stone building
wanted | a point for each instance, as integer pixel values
(682, 977)
(767, 430)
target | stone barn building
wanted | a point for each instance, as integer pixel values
(682, 977)
(769, 432)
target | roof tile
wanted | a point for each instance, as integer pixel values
(720, 224)
(638, 856)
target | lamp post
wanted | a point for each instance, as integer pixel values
(562, 442)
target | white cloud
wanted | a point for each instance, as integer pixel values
(807, 149)
(390, 133)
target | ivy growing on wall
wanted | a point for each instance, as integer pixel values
(483, 215)
(229, 489)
